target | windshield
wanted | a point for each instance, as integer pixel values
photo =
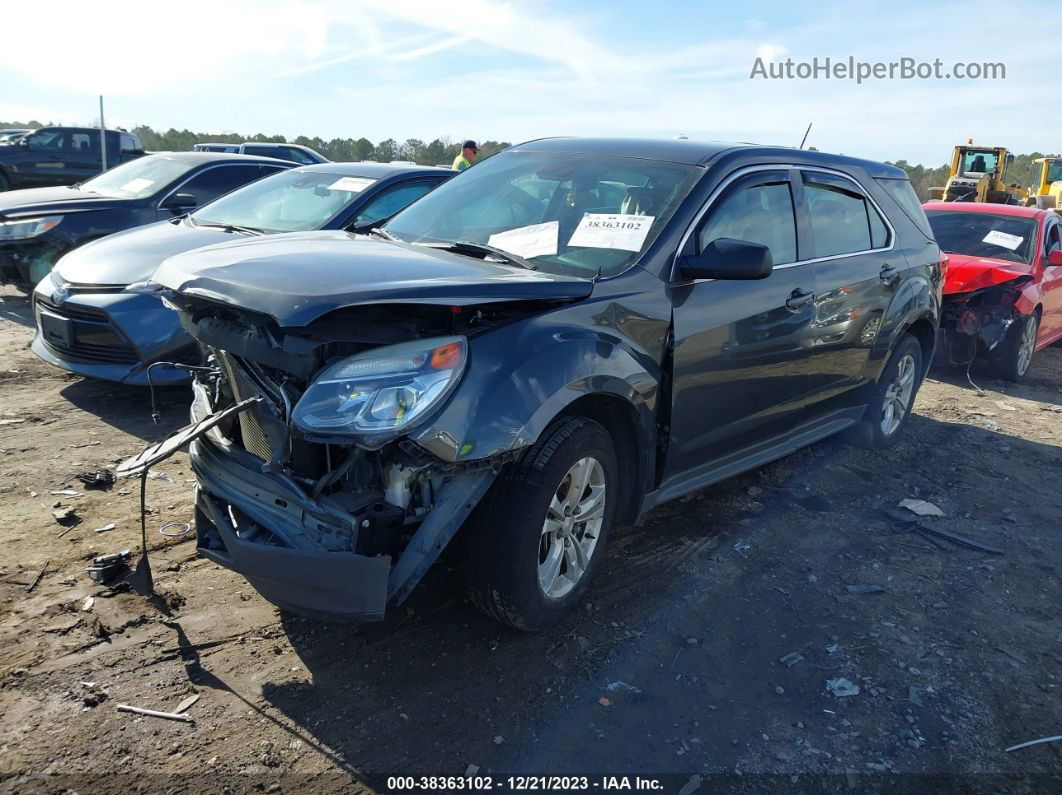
(579, 214)
(291, 201)
(1054, 171)
(983, 161)
(984, 235)
(138, 178)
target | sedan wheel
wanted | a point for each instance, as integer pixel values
(1027, 345)
(572, 527)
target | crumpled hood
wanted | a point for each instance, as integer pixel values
(42, 201)
(132, 256)
(964, 274)
(296, 278)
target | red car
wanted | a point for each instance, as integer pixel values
(1002, 283)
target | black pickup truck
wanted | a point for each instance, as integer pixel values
(62, 156)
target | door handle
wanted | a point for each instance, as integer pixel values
(798, 299)
(888, 273)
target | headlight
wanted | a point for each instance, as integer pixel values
(30, 227)
(377, 395)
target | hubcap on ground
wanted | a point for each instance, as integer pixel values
(898, 396)
(1028, 344)
(571, 529)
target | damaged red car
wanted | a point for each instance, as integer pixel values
(1003, 283)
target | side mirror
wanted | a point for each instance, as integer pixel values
(179, 202)
(1054, 259)
(726, 258)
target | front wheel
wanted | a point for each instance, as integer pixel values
(539, 536)
(893, 398)
(1011, 358)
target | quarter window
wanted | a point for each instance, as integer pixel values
(390, 202)
(843, 221)
(760, 213)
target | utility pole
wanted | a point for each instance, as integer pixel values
(103, 137)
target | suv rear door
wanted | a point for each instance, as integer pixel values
(858, 269)
(740, 371)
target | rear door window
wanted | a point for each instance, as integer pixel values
(843, 220)
(391, 201)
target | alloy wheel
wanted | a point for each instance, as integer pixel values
(898, 396)
(1028, 344)
(571, 528)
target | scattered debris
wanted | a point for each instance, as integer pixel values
(87, 604)
(842, 687)
(106, 528)
(106, 568)
(471, 770)
(66, 493)
(831, 649)
(499, 740)
(154, 474)
(1054, 739)
(741, 546)
(66, 516)
(155, 713)
(791, 659)
(100, 479)
(604, 702)
(11, 422)
(36, 577)
(921, 507)
(175, 529)
(962, 540)
(865, 588)
(187, 703)
(1005, 406)
(621, 685)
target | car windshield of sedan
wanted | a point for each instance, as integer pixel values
(984, 235)
(138, 178)
(580, 214)
(291, 201)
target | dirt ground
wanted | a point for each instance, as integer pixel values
(682, 663)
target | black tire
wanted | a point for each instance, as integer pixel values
(1008, 360)
(869, 432)
(505, 538)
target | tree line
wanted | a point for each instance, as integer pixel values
(442, 151)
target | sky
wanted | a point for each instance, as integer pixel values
(520, 70)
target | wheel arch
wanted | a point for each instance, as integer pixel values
(923, 330)
(619, 417)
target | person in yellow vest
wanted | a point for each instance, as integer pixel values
(469, 150)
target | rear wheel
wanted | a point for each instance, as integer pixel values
(1012, 357)
(534, 544)
(893, 398)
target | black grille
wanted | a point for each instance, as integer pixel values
(90, 338)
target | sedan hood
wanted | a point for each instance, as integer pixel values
(964, 274)
(297, 278)
(38, 201)
(132, 255)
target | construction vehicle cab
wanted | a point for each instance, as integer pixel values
(978, 174)
(1046, 191)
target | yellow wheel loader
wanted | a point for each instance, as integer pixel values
(979, 174)
(1046, 192)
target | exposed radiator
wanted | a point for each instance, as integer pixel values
(254, 437)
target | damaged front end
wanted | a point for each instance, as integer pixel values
(315, 493)
(975, 321)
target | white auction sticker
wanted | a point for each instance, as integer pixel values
(537, 240)
(600, 230)
(351, 184)
(136, 185)
(1002, 239)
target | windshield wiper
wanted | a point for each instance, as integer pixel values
(471, 249)
(383, 233)
(247, 230)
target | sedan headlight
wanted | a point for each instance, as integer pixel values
(378, 395)
(24, 229)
